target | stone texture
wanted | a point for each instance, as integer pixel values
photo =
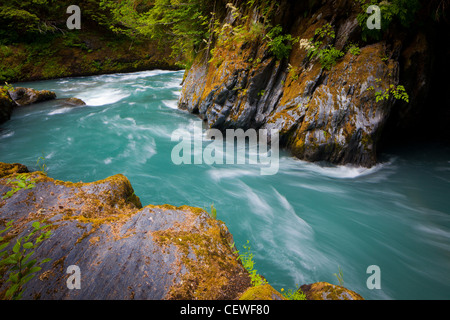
(322, 115)
(123, 251)
(328, 291)
(27, 96)
(264, 292)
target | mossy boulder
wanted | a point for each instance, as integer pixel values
(26, 96)
(7, 169)
(264, 292)
(123, 251)
(328, 291)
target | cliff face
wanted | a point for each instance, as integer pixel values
(322, 113)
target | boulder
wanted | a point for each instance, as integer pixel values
(26, 96)
(7, 169)
(264, 292)
(6, 105)
(123, 251)
(328, 291)
(72, 102)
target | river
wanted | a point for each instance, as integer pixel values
(302, 224)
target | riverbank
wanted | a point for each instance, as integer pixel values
(80, 53)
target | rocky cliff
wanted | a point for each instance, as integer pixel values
(341, 110)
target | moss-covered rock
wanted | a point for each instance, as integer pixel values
(322, 113)
(7, 169)
(264, 292)
(328, 291)
(27, 96)
(6, 105)
(123, 251)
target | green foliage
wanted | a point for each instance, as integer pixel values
(19, 183)
(5, 51)
(32, 20)
(183, 25)
(397, 92)
(280, 45)
(403, 11)
(327, 55)
(213, 213)
(339, 276)
(72, 40)
(41, 163)
(8, 87)
(354, 49)
(326, 30)
(18, 262)
(293, 73)
(296, 294)
(247, 261)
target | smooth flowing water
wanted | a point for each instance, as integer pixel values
(303, 223)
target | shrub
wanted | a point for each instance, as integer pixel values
(328, 55)
(402, 11)
(19, 183)
(280, 45)
(21, 268)
(247, 261)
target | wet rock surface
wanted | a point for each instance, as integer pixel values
(26, 96)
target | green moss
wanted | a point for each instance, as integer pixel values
(206, 255)
(264, 292)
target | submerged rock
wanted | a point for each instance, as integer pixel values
(123, 251)
(72, 102)
(26, 96)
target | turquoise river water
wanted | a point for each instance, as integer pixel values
(303, 224)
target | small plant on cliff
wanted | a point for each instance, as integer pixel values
(42, 164)
(247, 261)
(339, 276)
(293, 72)
(18, 262)
(213, 213)
(296, 294)
(328, 55)
(398, 92)
(20, 182)
(280, 45)
(354, 49)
